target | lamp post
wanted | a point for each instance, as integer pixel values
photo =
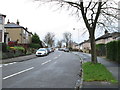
(78, 36)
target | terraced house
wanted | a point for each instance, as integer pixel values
(18, 33)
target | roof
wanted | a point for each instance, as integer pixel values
(107, 35)
(13, 25)
(2, 15)
(85, 41)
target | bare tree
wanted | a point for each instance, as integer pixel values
(94, 13)
(49, 39)
(67, 38)
(59, 43)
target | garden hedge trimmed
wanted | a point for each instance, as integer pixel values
(113, 51)
(101, 49)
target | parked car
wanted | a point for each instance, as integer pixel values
(61, 49)
(66, 50)
(48, 50)
(41, 52)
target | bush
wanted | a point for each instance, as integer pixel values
(36, 46)
(4, 47)
(118, 51)
(113, 50)
(19, 48)
(101, 49)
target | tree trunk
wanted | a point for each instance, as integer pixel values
(93, 47)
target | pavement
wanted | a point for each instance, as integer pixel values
(113, 67)
(19, 59)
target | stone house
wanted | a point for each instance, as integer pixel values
(104, 39)
(18, 33)
(107, 37)
(85, 46)
(3, 33)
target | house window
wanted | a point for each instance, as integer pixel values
(0, 35)
(1, 20)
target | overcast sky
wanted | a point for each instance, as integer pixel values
(42, 19)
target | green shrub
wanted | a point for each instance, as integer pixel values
(113, 50)
(101, 49)
(118, 51)
(36, 46)
(19, 48)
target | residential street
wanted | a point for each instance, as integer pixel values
(57, 70)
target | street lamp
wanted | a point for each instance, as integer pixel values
(78, 33)
(78, 37)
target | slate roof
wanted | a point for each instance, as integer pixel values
(13, 25)
(85, 42)
(107, 35)
(2, 15)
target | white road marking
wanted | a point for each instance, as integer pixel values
(9, 64)
(46, 62)
(0, 66)
(14, 62)
(59, 55)
(55, 57)
(5, 64)
(18, 73)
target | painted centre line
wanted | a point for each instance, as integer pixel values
(18, 73)
(46, 62)
(55, 57)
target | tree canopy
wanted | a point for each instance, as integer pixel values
(94, 13)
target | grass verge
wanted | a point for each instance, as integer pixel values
(97, 72)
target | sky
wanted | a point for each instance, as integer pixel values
(42, 19)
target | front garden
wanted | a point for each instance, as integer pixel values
(15, 51)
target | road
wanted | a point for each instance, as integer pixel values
(57, 70)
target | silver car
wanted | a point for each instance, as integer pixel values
(41, 52)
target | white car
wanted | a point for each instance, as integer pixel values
(41, 52)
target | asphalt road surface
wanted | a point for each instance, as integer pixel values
(57, 70)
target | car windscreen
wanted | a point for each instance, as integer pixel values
(41, 50)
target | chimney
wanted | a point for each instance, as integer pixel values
(8, 21)
(17, 22)
(26, 28)
(106, 31)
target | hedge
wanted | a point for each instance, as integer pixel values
(36, 46)
(113, 51)
(101, 49)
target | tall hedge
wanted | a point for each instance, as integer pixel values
(101, 49)
(113, 50)
(118, 50)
